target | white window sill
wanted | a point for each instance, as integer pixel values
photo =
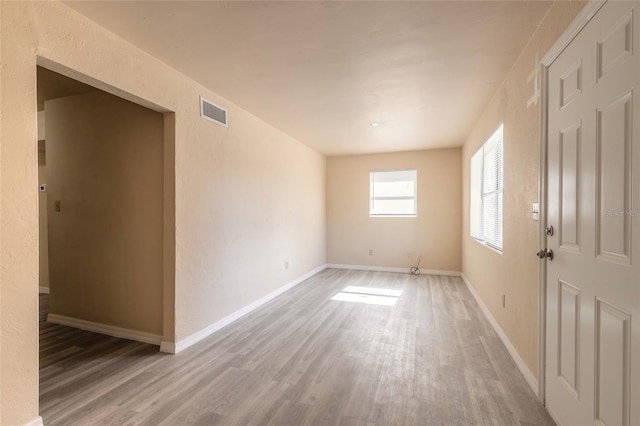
(487, 245)
(393, 215)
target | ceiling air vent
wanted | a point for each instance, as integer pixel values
(212, 112)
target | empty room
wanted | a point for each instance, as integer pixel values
(319, 212)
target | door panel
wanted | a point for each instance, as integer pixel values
(593, 281)
(571, 84)
(612, 364)
(569, 204)
(613, 199)
(568, 337)
(616, 47)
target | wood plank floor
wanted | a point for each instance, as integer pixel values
(301, 359)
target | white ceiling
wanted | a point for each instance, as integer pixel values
(323, 71)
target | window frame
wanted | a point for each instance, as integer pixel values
(372, 198)
(478, 200)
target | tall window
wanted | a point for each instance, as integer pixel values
(485, 214)
(393, 193)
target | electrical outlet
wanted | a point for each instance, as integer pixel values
(410, 254)
(370, 252)
(286, 264)
(57, 205)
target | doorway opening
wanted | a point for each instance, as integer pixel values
(105, 170)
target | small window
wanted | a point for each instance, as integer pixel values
(393, 193)
(485, 204)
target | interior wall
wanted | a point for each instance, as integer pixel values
(105, 166)
(169, 230)
(514, 272)
(18, 229)
(248, 198)
(396, 241)
(42, 214)
(1, 224)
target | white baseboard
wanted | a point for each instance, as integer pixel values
(109, 330)
(392, 269)
(43, 290)
(35, 422)
(167, 347)
(528, 375)
(181, 345)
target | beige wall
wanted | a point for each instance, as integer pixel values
(1, 222)
(105, 165)
(18, 229)
(247, 198)
(42, 204)
(514, 272)
(43, 230)
(434, 232)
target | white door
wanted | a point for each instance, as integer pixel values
(593, 281)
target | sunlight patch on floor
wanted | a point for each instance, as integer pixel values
(368, 295)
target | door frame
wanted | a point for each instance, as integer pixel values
(167, 344)
(581, 20)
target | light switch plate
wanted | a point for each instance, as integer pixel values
(535, 211)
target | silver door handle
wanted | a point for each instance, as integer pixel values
(546, 253)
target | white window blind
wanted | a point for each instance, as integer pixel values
(475, 191)
(485, 204)
(393, 193)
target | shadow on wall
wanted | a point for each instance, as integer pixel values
(103, 168)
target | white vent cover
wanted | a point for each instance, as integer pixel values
(212, 112)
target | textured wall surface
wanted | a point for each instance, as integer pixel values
(18, 220)
(514, 272)
(248, 198)
(434, 232)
